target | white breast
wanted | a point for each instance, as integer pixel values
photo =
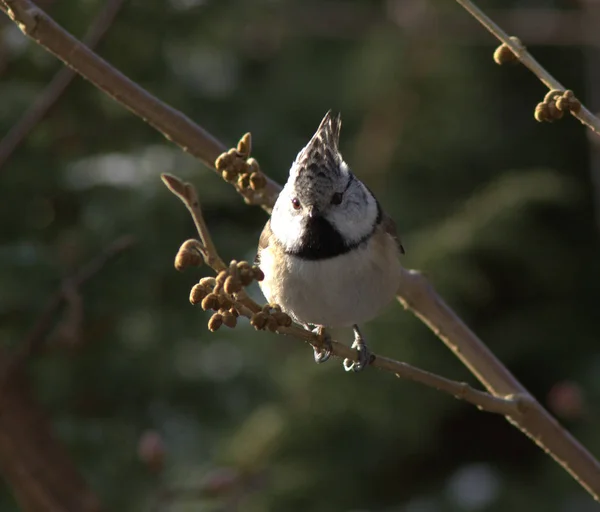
(337, 292)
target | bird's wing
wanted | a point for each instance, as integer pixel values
(263, 241)
(389, 226)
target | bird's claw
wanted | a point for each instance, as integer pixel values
(323, 353)
(364, 355)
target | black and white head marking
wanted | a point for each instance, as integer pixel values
(324, 210)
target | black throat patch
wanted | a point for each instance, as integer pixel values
(321, 241)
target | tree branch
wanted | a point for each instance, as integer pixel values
(417, 295)
(174, 125)
(50, 95)
(415, 292)
(519, 50)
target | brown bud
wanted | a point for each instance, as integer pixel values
(504, 55)
(243, 181)
(243, 265)
(215, 322)
(232, 285)
(188, 255)
(272, 324)
(246, 277)
(208, 282)
(230, 175)
(239, 166)
(274, 307)
(553, 112)
(569, 102)
(222, 276)
(552, 95)
(211, 301)
(234, 312)
(562, 103)
(257, 181)
(222, 162)
(229, 319)
(252, 166)
(232, 154)
(575, 105)
(282, 319)
(245, 145)
(225, 302)
(151, 450)
(259, 320)
(258, 273)
(197, 294)
(541, 112)
(233, 269)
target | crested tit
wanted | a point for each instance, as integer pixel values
(329, 253)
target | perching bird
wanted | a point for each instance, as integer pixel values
(329, 253)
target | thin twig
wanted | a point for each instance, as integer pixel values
(584, 115)
(415, 292)
(461, 390)
(189, 197)
(57, 86)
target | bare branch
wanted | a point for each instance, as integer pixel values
(415, 293)
(50, 95)
(187, 194)
(519, 50)
(174, 125)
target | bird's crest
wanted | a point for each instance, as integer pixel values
(320, 158)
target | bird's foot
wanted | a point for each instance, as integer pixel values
(323, 353)
(364, 354)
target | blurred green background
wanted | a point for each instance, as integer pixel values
(501, 213)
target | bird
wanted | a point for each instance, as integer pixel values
(329, 253)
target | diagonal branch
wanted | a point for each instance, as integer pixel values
(50, 95)
(415, 292)
(583, 114)
(174, 125)
(417, 295)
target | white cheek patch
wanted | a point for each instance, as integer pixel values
(286, 224)
(355, 218)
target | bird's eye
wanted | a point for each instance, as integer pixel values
(337, 198)
(296, 203)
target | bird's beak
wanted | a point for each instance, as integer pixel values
(312, 211)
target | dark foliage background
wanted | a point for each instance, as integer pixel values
(498, 210)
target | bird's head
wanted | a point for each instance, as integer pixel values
(323, 196)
